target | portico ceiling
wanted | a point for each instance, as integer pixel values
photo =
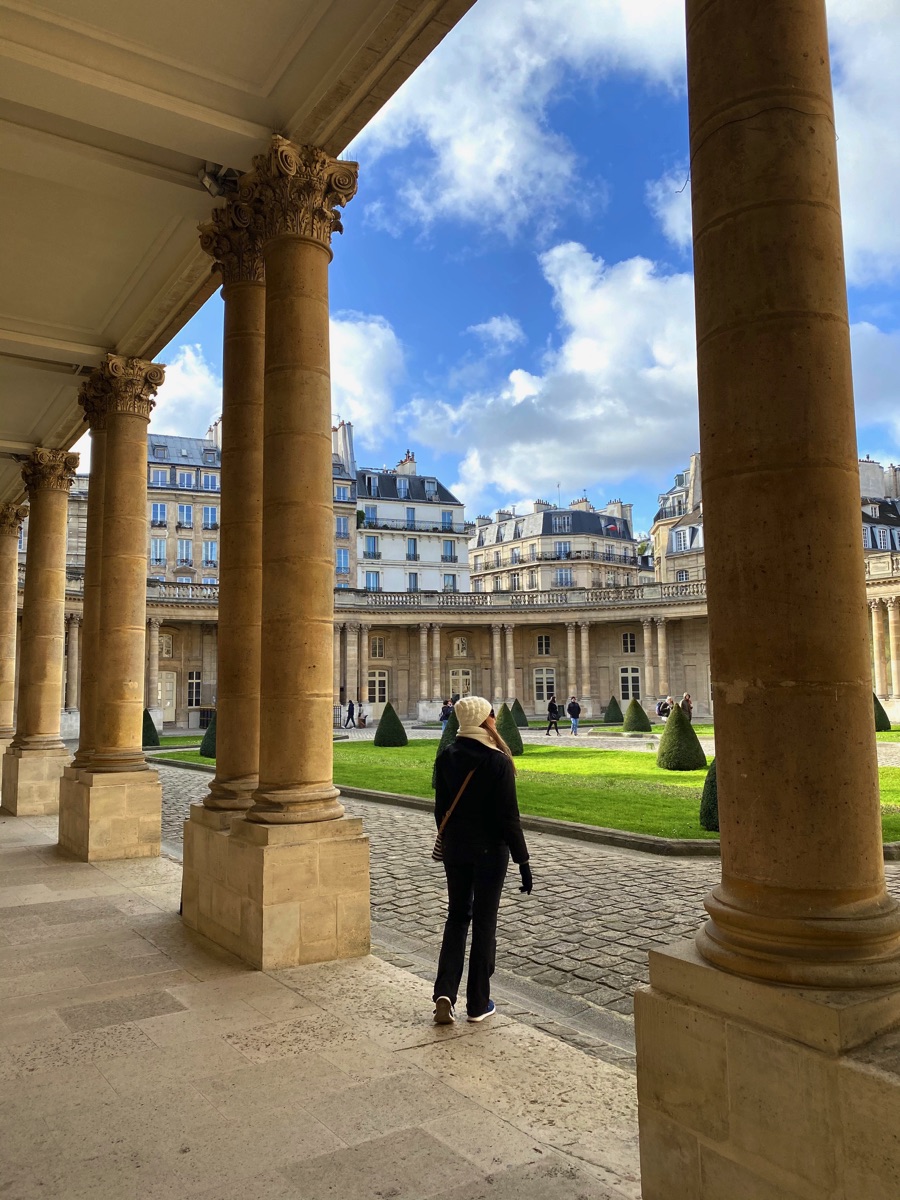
(111, 111)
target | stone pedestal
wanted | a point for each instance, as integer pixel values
(754, 1091)
(110, 814)
(31, 780)
(277, 895)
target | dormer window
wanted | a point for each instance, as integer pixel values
(402, 487)
(371, 485)
(430, 489)
(160, 452)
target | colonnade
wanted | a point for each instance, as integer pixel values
(886, 647)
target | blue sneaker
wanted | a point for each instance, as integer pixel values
(491, 1009)
(444, 1012)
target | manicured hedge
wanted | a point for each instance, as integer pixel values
(613, 714)
(208, 745)
(149, 737)
(679, 746)
(509, 731)
(518, 713)
(882, 720)
(636, 720)
(709, 801)
(390, 731)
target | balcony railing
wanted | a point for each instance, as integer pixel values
(159, 524)
(181, 562)
(157, 562)
(449, 558)
(463, 527)
(210, 524)
(184, 525)
(412, 558)
(371, 554)
(342, 537)
(210, 562)
(611, 597)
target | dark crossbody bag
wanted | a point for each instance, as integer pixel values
(437, 852)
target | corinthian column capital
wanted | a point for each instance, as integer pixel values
(11, 518)
(120, 384)
(295, 190)
(230, 238)
(49, 470)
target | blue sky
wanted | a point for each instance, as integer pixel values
(512, 298)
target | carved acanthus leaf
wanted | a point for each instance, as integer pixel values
(49, 470)
(11, 518)
(295, 189)
(120, 384)
(233, 245)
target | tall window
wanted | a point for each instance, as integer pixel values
(159, 478)
(478, 565)
(186, 479)
(410, 518)
(884, 541)
(209, 579)
(342, 561)
(561, 523)
(543, 643)
(496, 558)
(447, 519)
(629, 643)
(186, 516)
(183, 579)
(210, 482)
(158, 514)
(371, 514)
(371, 485)
(681, 576)
(412, 581)
(478, 585)
(449, 583)
(681, 539)
(342, 527)
(562, 549)
(193, 696)
(377, 687)
(21, 537)
(371, 550)
(210, 516)
(373, 581)
(532, 579)
(447, 554)
(402, 487)
(515, 581)
(460, 647)
(412, 549)
(376, 649)
(630, 683)
(497, 582)
(515, 555)
(544, 684)
(185, 552)
(165, 645)
(865, 534)
(157, 551)
(460, 681)
(341, 491)
(563, 577)
(210, 554)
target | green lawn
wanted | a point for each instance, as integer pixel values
(892, 736)
(619, 789)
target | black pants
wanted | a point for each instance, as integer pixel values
(552, 724)
(349, 721)
(473, 893)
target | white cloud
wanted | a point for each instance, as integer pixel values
(481, 104)
(876, 379)
(366, 365)
(499, 333)
(669, 199)
(191, 397)
(616, 399)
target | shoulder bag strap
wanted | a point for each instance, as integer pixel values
(449, 812)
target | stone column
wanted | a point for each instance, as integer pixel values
(11, 518)
(111, 808)
(238, 254)
(152, 700)
(436, 681)
(744, 1076)
(296, 882)
(571, 660)
(585, 696)
(73, 624)
(893, 609)
(649, 689)
(510, 664)
(424, 690)
(662, 653)
(336, 665)
(496, 666)
(36, 757)
(352, 684)
(879, 677)
(364, 663)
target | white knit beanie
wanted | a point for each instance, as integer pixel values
(471, 711)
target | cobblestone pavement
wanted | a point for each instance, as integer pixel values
(584, 932)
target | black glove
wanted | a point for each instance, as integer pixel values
(527, 883)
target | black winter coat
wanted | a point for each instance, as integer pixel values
(487, 815)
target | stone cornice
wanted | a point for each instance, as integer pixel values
(233, 245)
(11, 518)
(295, 190)
(49, 470)
(120, 384)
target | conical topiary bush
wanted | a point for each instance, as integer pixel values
(882, 720)
(613, 714)
(150, 737)
(208, 745)
(709, 801)
(390, 731)
(518, 715)
(636, 720)
(509, 731)
(446, 738)
(679, 746)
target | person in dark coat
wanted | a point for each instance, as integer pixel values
(574, 711)
(480, 835)
(351, 709)
(552, 716)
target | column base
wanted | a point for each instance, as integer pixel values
(107, 815)
(277, 895)
(756, 1091)
(31, 780)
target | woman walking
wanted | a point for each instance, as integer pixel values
(552, 716)
(475, 777)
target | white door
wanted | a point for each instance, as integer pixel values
(167, 696)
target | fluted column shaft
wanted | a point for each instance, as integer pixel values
(352, 635)
(436, 681)
(662, 642)
(880, 675)
(93, 548)
(73, 624)
(153, 662)
(649, 691)
(496, 666)
(11, 518)
(239, 256)
(510, 663)
(424, 690)
(48, 476)
(802, 898)
(893, 609)
(585, 628)
(364, 663)
(336, 664)
(571, 660)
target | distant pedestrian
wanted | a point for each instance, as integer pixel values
(351, 719)
(446, 713)
(574, 710)
(552, 716)
(687, 705)
(663, 707)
